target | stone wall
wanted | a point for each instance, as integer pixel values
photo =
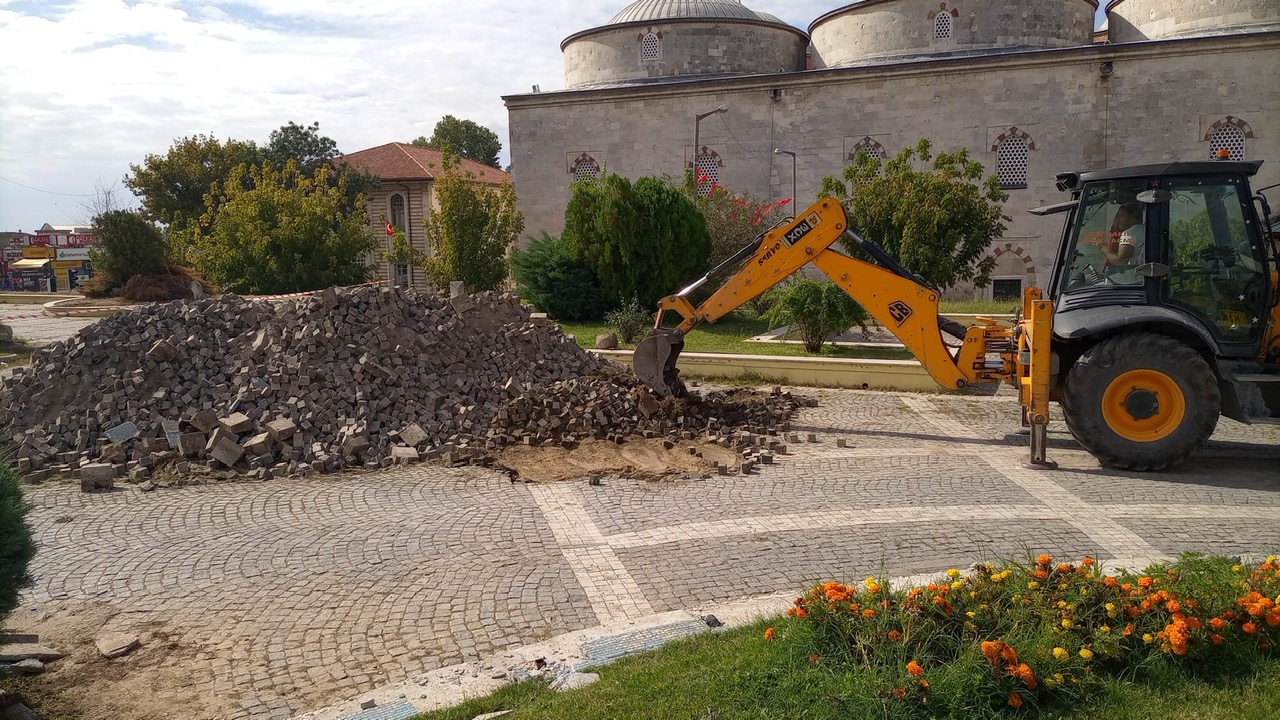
(881, 28)
(613, 54)
(1135, 20)
(1157, 105)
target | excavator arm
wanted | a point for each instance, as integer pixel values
(897, 299)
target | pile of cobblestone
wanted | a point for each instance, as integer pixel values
(341, 379)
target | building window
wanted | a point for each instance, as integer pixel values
(707, 169)
(650, 47)
(1012, 150)
(397, 211)
(402, 275)
(585, 168)
(942, 27)
(1006, 289)
(870, 147)
(1229, 138)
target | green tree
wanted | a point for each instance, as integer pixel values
(285, 233)
(303, 144)
(471, 230)
(644, 239)
(464, 138)
(935, 215)
(16, 545)
(128, 244)
(550, 276)
(403, 252)
(819, 310)
(172, 187)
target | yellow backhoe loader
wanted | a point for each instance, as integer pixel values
(1144, 349)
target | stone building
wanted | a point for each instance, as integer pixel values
(1027, 86)
(406, 197)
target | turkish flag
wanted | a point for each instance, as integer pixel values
(390, 230)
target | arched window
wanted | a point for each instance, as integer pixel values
(1229, 138)
(585, 168)
(707, 171)
(397, 211)
(870, 147)
(1012, 150)
(942, 26)
(650, 47)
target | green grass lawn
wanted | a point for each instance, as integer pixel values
(722, 676)
(19, 347)
(730, 335)
(979, 307)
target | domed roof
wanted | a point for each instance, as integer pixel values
(649, 10)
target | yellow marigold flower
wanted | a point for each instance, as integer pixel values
(1051, 683)
(1061, 654)
(1111, 609)
(1086, 653)
(953, 573)
(1105, 629)
(1236, 568)
(1033, 585)
(1058, 677)
(1147, 638)
(872, 586)
(957, 585)
(970, 627)
(1067, 624)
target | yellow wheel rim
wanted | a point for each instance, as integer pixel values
(1144, 406)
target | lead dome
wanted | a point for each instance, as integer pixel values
(655, 39)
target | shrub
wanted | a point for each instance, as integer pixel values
(549, 276)
(631, 321)
(644, 239)
(820, 311)
(127, 245)
(16, 546)
(1040, 633)
(733, 221)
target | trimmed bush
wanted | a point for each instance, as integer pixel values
(631, 321)
(820, 311)
(16, 546)
(552, 279)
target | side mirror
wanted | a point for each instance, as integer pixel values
(1154, 197)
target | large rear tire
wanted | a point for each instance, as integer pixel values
(1141, 402)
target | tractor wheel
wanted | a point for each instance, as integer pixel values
(1141, 402)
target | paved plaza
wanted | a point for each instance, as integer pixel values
(272, 599)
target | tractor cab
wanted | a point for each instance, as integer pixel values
(1181, 250)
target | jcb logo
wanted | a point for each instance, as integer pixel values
(900, 311)
(772, 251)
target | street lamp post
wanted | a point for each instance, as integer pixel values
(697, 138)
(779, 151)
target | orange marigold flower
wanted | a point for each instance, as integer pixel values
(1144, 582)
(894, 635)
(991, 650)
(1249, 628)
(1040, 574)
(814, 659)
(768, 634)
(1015, 700)
(924, 686)
(1009, 655)
(1128, 630)
(1216, 639)
(1194, 623)
(1087, 561)
(868, 613)
(1266, 647)
(1126, 587)
(1173, 606)
(1273, 618)
(1025, 674)
(914, 668)
(1217, 623)
(1043, 560)
(899, 693)
(1110, 581)
(1064, 568)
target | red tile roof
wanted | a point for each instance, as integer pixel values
(401, 161)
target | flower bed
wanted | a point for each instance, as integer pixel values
(1002, 638)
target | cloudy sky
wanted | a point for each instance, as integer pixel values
(89, 86)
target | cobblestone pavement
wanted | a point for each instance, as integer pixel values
(291, 595)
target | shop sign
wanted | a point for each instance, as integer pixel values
(73, 253)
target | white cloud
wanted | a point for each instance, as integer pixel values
(89, 86)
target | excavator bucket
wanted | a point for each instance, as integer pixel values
(654, 362)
